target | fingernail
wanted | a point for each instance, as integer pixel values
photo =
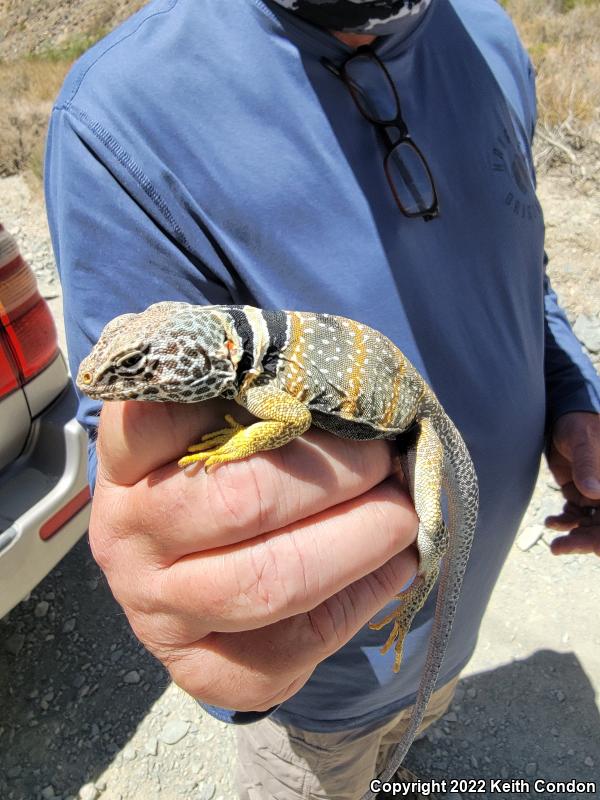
(591, 485)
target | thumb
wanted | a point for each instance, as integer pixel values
(138, 437)
(576, 437)
(585, 464)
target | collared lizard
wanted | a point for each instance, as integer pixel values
(290, 370)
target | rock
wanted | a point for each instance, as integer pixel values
(587, 330)
(451, 717)
(531, 768)
(14, 772)
(79, 680)
(88, 792)
(69, 626)
(151, 746)
(530, 536)
(471, 692)
(206, 791)
(48, 792)
(560, 696)
(174, 731)
(588, 761)
(15, 643)
(41, 609)
(129, 754)
(132, 677)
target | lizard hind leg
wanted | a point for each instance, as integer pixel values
(411, 601)
(424, 466)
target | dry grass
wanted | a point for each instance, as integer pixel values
(27, 89)
(561, 35)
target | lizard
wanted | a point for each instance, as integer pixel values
(292, 370)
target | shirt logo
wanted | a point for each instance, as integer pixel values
(508, 164)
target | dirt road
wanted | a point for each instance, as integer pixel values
(86, 712)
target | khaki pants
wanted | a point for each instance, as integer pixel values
(286, 763)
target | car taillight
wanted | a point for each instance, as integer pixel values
(29, 332)
(9, 379)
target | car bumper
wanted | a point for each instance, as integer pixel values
(44, 500)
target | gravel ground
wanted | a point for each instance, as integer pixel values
(87, 713)
(33, 26)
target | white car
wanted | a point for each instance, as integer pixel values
(44, 494)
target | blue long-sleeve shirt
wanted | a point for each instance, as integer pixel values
(202, 152)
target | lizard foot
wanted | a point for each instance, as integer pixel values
(397, 636)
(211, 443)
(411, 600)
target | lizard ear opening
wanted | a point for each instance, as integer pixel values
(233, 348)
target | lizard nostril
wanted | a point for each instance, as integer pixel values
(86, 378)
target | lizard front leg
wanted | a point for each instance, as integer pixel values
(282, 416)
(425, 463)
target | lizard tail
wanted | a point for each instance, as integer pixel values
(460, 485)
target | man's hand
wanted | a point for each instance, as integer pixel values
(574, 459)
(241, 581)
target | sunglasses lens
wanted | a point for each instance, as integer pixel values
(409, 178)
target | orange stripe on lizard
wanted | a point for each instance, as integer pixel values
(356, 370)
(294, 374)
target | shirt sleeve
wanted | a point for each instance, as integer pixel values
(572, 383)
(119, 247)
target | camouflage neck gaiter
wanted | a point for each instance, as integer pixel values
(375, 17)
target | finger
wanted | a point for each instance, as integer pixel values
(255, 670)
(579, 541)
(247, 498)
(289, 571)
(586, 469)
(573, 515)
(562, 522)
(573, 495)
(135, 438)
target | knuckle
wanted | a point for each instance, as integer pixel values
(264, 591)
(238, 499)
(329, 623)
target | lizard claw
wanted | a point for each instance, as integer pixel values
(213, 448)
(215, 439)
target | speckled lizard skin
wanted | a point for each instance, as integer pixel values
(292, 369)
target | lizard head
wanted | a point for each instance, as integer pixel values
(169, 352)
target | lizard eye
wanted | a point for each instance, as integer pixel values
(130, 361)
